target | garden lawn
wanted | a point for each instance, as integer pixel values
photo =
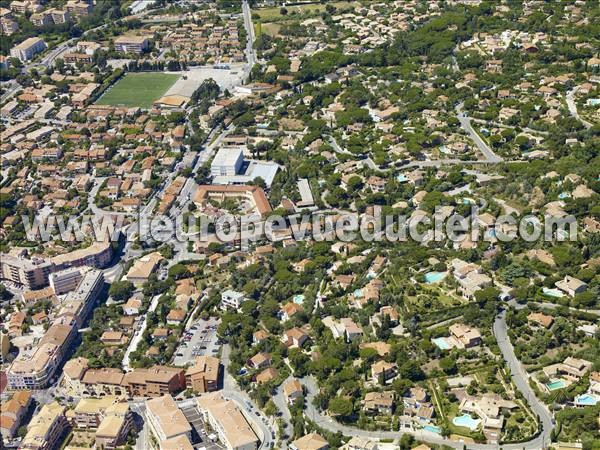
(138, 89)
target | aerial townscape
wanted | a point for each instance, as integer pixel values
(217, 224)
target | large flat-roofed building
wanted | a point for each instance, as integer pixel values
(35, 273)
(204, 375)
(29, 273)
(131, 44)
(35, 368)
(97, 255)
(47, 428)
(166, 421)
(227, 162)
(231, 300)
(65, 280)
(28, 48)
(86, 293)
(232, 427)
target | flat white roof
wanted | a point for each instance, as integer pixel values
(227, 156)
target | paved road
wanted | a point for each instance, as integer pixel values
(232, 391)
(250, 54)
(465, 123)
(553, 306)
(521, 380)
(332, 425)
(570, 98)
(137, 337)
(282, 405)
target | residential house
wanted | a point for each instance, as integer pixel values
(379, 402)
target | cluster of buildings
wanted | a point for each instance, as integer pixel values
(369, 27)
(73, 9)
(35, 272)
(204, 43)
(490, 44)
(108, 418)
(82, 381)
(36, 367)
(169, 428)
(13, 412)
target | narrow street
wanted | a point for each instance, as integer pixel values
(137, 336)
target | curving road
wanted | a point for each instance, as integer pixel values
(260, 423)
(570, 99)
(465, 123)
(521, 381)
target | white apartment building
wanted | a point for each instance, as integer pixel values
(231, 300)
(27, 49)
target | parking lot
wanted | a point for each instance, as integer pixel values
(200, 339)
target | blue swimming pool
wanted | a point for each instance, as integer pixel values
(433, 429)
(441, 343)
(434, 277)
(586, 400)
(556, 384)
(358, 293)
(552, 292)
(298, 299)
(466, 421)
(401, 178)
(564, 195)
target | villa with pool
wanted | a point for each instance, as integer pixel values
(461, 336)
(592, 396)
(563, 374)
(488, 409)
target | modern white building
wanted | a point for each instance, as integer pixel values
(231, 299)
(227, 162)
(28, 48)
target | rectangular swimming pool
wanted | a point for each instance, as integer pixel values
(556, 384)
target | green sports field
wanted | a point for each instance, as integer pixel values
(138, 89)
